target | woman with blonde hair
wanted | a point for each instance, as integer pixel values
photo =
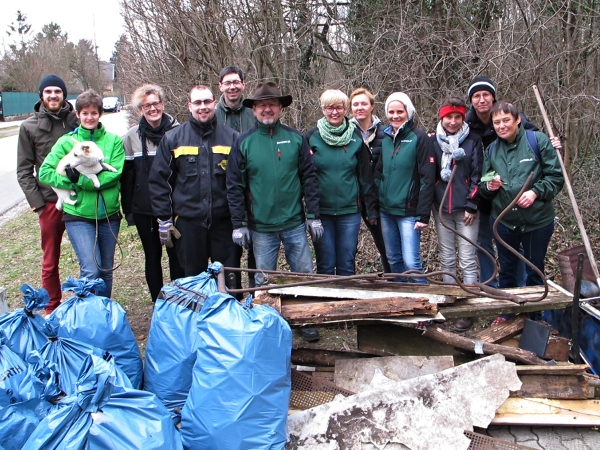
(345, 183)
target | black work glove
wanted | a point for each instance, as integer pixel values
(129, 219)
(72, 174)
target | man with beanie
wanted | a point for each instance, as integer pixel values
(188, 189)
(53, 117)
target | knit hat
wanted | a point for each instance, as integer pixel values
(53, 80)
(402, 98)
(481, 83)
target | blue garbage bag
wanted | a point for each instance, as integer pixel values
(25, 330)
(31, 403)
(100, 322)
(241, 383)
(16, 385)
(171, 346)
(69, 356)
(98, 418)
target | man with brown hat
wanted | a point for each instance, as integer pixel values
(270, 170)
(54, 116)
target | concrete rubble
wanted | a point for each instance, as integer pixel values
(422, 413)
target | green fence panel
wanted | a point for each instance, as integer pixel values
(17, 103)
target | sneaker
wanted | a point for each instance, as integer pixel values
(310, 334)
(463, 324)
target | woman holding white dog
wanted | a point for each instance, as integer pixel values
(93, 222)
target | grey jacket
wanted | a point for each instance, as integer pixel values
(37, 136)
(241, 119)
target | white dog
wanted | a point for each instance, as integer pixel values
(88, 159)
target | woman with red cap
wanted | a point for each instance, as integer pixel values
(456, 147)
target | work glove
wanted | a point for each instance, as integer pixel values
(130, 220)
(315, 228)
(72, 174)
(241, 236)
(166, 230)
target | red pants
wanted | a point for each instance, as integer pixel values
(52, 228)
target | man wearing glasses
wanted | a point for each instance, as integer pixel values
(230, 109)
(188, 189)
(270, 171)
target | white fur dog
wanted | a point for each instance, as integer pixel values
(88, 159)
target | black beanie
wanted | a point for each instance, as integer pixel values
(53, 80)
(481, 84)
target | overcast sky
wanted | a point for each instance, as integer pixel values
(81, 20)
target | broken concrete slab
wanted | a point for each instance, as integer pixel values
(356, 374)
(422, 413)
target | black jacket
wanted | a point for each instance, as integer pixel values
(464, 193)
(188, 175)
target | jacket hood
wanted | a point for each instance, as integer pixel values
(228, 108)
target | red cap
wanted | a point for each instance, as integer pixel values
(449, 109)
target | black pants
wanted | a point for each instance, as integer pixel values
(378, 239)
(199, 244)
(147, 228)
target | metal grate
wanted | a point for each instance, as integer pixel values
(308, 392)
(483, 442)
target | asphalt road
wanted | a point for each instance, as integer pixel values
(10, 191)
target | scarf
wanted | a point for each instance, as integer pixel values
(335, 136)
(450, 147)
(154, 135)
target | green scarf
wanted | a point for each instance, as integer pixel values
(335, 136)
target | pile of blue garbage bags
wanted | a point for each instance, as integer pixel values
(217, 372)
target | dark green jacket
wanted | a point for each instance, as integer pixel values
(270, 169)
(405, 173)
(344, 175)
(88, 203)
(514, 162)
(241, 119)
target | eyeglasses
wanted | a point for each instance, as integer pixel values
(149, 106)
(336, 108)
(202, 102)
(236, 83)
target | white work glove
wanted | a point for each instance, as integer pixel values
(241, 236)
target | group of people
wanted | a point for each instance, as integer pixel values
(234, 176)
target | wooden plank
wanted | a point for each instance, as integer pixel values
(315, 313)
(573, 387)
(464, 343)
(269, 300)
(560, 369)
(502, 332)
(325, 293)
(558, 348)
(546, 412)
(484, 306)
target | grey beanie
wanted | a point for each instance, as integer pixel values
(402, 98)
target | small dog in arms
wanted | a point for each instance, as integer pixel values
(88, 159)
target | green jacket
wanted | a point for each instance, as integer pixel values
(89, 204)
(270, 170)
(405, 173)
(241, 119)
(514, 162)
(344, 174)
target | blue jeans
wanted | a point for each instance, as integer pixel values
(486, 265)
(336, 251)
(535, 244)
(402, 244)
(96, 256)
(295, 245)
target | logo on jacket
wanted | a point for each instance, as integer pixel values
(284, 142)
(431, 159)
(525, 160)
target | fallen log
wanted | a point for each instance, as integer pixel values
(319, 312)
(480, 347)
